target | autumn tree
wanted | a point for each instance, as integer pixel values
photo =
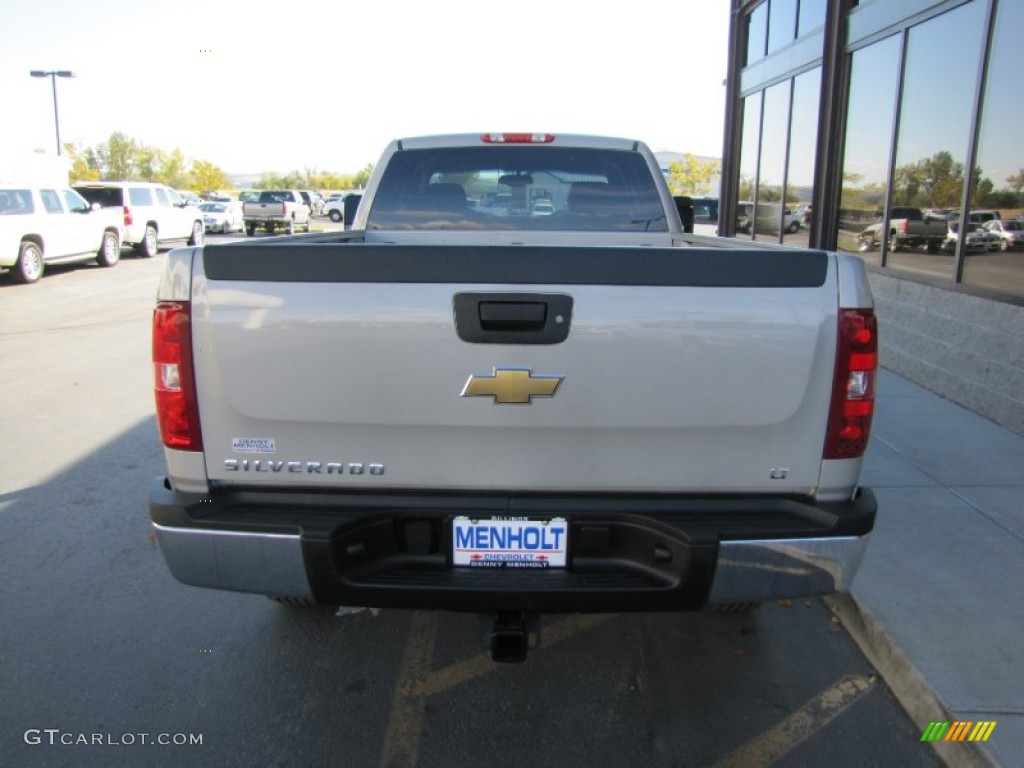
(206, 176)
(173, 169)
(691, 175)
(85, 165)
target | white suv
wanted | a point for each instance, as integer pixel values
(154, 214)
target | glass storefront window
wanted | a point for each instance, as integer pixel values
(748, 163)
(781, 24)
(757, 33)
(874, 78)
(931, 150)
(812, 16)
(998, 192)
(803, 139)
(769, 215)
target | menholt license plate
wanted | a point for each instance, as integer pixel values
(509, 542)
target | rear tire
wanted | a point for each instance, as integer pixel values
(335, 215)
(30, 265)
(148, 247)
(110, 250)
(894, 243)
(197, 234)
(291, 226)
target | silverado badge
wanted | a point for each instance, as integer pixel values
(511, 385)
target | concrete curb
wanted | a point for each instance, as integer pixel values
(913, 691)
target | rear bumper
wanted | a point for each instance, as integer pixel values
(626, 553)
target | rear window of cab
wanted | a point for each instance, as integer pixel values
(520, 187)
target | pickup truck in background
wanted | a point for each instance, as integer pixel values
(474, 402)
(907, 228)
(40, 226)
(277, 209)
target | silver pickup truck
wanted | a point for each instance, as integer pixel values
(907, 228)
(479, 401)
(281, 210)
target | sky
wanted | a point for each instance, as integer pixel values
(274, 86)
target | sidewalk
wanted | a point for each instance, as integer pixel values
(938, 604)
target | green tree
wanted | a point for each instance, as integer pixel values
(692, 176)
(360, 179)
(147, 162)
(1016, 181)
(118, 157)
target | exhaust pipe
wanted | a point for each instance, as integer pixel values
(510, 637)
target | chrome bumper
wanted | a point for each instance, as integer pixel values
(756, 571)
(265, 563)
(746, 571)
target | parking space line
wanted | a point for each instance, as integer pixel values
(416, 682)
(481, 664)
(401, 744)
(799, 726)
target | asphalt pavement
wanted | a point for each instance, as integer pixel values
(937, 606)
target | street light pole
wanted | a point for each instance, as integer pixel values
(53, 74)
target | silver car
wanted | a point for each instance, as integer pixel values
(1009, 231)
(222, 217)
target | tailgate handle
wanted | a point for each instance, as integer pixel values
(513, 315)
(512, 318)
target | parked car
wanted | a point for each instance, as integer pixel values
(189, 197)
(1009, 231)
(769, 218)
(978, 239)
(980, 217)
(154, 214)
(908, 227)
(222, 217)
(53, 225)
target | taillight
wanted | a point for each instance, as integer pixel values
(517, 138)
(128, 216)
(177, 411)
(853, 389)
(905, 226)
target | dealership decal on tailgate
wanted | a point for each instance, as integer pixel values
(509, 542)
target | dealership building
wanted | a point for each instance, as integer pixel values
(846, 114)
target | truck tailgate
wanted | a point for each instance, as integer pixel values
(683, 369)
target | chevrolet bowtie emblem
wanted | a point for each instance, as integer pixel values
(511, 385)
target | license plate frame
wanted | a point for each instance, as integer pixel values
(511, 543)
